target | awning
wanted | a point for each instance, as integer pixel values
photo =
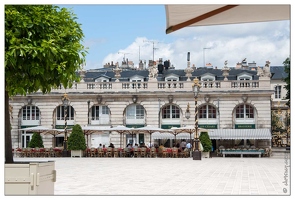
(158, 135)
(180, 16)
(237, 134)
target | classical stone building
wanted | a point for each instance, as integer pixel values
(237, 98)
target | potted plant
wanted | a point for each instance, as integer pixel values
(206, 143)
(36, 141)
(76, 141)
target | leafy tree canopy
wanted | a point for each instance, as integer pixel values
(287, 79)
(42, 51)
(42, 48)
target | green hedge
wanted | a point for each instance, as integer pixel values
(36, 141)
(76, 140)
(206, 142)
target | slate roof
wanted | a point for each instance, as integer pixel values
(90, 76)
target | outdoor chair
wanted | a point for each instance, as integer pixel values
(143, 152)
(100, 152)
(153, 152)
(136, 152)
(126, 152)
(164, 152)
(93, 152)
(109, 152)
(116, 152)
(174, 152)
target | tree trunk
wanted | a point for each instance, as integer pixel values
(8, 142)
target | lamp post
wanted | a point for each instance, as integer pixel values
(88, 102)
(196, 90)
(65, 101)
(187, 116)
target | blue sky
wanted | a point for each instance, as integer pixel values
(133, 29)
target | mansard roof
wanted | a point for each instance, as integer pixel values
(91, 75)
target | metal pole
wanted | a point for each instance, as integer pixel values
(196, 152)
(88, 102)
(65, 151)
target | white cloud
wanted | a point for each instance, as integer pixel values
(257, 42)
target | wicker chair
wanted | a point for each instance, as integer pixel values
(100, 152)
(136, 152)
(153, 153)
(164, 152)
(143, 152)
(174, 152)
(109, 152)
(116, 152)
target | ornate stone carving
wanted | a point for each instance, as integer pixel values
(117, 71)
(225, 70)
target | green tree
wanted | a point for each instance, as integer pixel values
(287, 79)
(206, 142)
(36, 141)
(43, 50)
(76, 140)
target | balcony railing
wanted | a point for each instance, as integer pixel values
(163, 86)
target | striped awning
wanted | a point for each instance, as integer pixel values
(237, 134)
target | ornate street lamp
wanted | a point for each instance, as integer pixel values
(65, 102)
(196, 152)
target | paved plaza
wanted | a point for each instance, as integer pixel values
(172, 176)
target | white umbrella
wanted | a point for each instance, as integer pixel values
(186, 15)
(150, 130)
(121, 130)
(36, 129)
(54, 132)
(88, 130)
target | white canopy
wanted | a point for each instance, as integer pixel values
(186, 15)
(37, 129)
(158, 135)
(237, 134)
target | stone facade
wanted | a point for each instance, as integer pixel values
(224, 95)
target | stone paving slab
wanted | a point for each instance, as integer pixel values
(171, 176)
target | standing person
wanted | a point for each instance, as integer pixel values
(100, 146)
(189, 147)
(183, 145)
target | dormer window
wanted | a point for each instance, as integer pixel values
(208, 77)
(244, 77)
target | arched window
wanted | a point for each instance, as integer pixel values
(60, 113)
(170, 112)
(135, 112)
(30, 113)
(207, 112)
(244, 111)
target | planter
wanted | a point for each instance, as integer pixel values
(76, 153)
(30, 178)
(205, 154)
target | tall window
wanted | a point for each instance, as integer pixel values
(135, 112)
(96, 111)
(278, 90)
(170, 112)
(31, 113)
(60, 114)
(244, 111)
(207, 112)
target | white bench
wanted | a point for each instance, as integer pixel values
(242, 153)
